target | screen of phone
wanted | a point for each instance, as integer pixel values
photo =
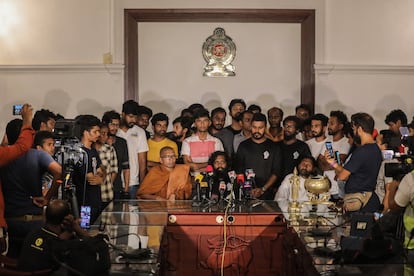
(17, 109)
(85, 216)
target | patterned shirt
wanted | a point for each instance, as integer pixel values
(108, 157)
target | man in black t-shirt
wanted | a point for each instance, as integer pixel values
(89, 174)
(38, 251)
(263, 156)
(293, 150)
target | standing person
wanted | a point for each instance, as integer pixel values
(22, 189)
(181, 130)
(44, 120)
(361, 170)
(391, 137)
(245, 120)
(293, 150)
(109, 160)
(121, 183)
(44, 141)
(89, 174)
(197, 148)
(144, 115)
(226, 135)
(319, 122)
(303, 112)
(261, 155)
(159, 140)
(218, 120)
(10, 153)
(137, 146)
(275, 130)
(337, 121)
(401, 199)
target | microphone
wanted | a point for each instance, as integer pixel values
(198, 178)
(232, 176)
(204, 190)
(210, 180)
(250, 175)
(222, 189)
(240, 183)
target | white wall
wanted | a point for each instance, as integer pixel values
(51, 55)
(267, 66)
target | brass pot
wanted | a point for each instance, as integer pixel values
(317, 184)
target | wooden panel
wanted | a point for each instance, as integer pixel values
(195, 246)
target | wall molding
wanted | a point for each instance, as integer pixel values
(326, 69)
(63, 68)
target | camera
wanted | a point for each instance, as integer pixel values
(17, 109)
(398, 170)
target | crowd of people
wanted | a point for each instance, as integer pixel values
(125, 158)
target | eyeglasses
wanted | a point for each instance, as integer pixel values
(172, 156)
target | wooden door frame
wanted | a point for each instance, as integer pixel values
(306, 19)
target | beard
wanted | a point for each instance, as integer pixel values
(357, 139)
(257, 135)
(218, 127)
(317, 134)
(288, 137)
(304, 173)
(331, 132)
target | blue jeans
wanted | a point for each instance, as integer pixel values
(133, 191)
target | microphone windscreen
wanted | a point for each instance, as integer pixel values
(209, 169)
(240, 177)
(222, 185)
(232, 174)
(199, 177)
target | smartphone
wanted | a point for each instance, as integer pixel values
(328, 145)
(85, 217)
(338, 157)
(17, 109)
(404, 131)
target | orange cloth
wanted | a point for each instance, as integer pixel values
(10, 153)
(161, 182)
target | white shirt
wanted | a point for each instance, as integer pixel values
(316, 147)
(284, 193)
(137, 143)
(343, 147)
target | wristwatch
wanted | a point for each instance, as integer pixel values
(263, 189)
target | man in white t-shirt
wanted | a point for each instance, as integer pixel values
(319, 123)
(336, 124)
(137, 145)
(197, 148)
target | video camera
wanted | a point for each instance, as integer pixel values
(402, 167)
(69, 154)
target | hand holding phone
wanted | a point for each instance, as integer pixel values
(328, 145)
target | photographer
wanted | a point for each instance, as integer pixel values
(400, 196)
(38, 248)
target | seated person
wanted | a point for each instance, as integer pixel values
(167, 180)
(37, 251)
(306, 168)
